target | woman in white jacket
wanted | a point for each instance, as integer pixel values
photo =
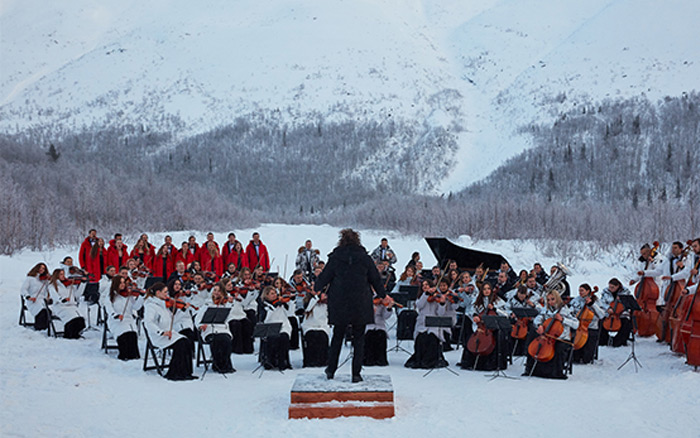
(34, 290)
(159, 323)
(427, 352)
(276, 348)
(239, 324)
(375, 334)
(316, 329)
(121, 307)
(218, 336)
(65, 295)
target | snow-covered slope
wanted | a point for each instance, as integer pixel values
(56, 387)
(478, 68)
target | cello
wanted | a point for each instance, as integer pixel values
(585, 317)
(612, 322)
(542, 348)
(646, 293)
(482, 342)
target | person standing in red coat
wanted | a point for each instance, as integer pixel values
(164, 261)
(185, 254)
(86, 247)
(237, 256)
(97, 260)
(142, 252)
(118, 252)
(204, 249)
(257, 253)
(211, 260)
(228, 246)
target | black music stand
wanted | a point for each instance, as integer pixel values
(631, 304)
(411, 294)
(402, 299)
(439, 322)
(502, 324)
(264, 331)
(91, 296)
(213, 315)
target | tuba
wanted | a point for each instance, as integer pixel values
(556, 281)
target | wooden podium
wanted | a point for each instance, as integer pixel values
(313, 396)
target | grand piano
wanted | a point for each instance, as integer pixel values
(467, 259)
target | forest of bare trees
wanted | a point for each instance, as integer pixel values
(613, 172)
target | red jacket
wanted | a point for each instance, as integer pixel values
(147, 258)
(84, 252)
(254, 259)
(216, 265)
(164, 269)
(201, 250)
(113, 255)
(96, 265)
(186, 258)
(233, 258)
(225, 251)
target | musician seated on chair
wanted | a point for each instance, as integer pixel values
(34, 290)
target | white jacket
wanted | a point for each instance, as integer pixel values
(381, 314)
(569, 321)
(157, 319)
(277, 314)
(316, 317)
(122, 306)
(427, 308)
(65, 301)
(35, 289)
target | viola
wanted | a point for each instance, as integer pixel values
(386, 302)
(585, 317)
(542, 348)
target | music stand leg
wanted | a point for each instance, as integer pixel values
(499, 372)
(440, 355)
(632, 357)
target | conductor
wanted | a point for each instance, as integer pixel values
(351, 274)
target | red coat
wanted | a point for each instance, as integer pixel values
(164, 269)
(225, 251)
(147, 258)
(186, 258)
(96, 265)
(254, 260)
(201, 250)
(234, 258)
(216, 265)
(113, 255)
(84, 252)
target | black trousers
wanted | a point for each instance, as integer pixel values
(73, 328)
(128, 346)
(181, 362)
(221, 348)
(375, 348)
(242, 331)
(294, 337)
(41, 320)
(275, 352)
(586, 354)
(315, 348)
(358, 347)
(622, 336)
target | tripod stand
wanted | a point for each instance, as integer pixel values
(441, 322)
(631, 304)
(500, 325)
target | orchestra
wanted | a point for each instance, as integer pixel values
(187, 281)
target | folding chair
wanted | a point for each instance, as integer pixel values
(158, 356)
(106, 346)
(52, 327)
(23, 314)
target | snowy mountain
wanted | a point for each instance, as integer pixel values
(477, 70)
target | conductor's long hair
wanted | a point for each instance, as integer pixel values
(349, 237)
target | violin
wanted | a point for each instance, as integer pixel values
(387, 302)
(132, 293)
(585, 317)
(542, 348)
(249, 285)
(172, 303)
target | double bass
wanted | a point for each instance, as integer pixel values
(683, 323)
(664, 331)
(646, 293)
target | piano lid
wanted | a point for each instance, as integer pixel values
(466, 258)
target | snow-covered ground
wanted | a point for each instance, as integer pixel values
(56, 387)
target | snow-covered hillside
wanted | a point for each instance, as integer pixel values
(57, 387)
(480, 69)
